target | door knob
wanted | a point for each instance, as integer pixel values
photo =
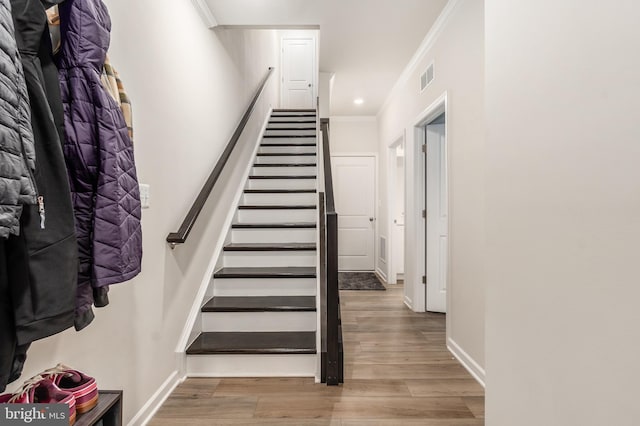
(371, 219)
(309, 84)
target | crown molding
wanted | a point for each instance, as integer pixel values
(430, 39)
(205, 13)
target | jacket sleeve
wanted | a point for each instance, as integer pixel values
(117, 234)
(81, 155)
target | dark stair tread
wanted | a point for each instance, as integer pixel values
(285, 154)
(305, 121)
(285, 165)
(261, 304)
(289, 144)
(277, 207)
(280, 191)
(210, 343)
(282, 177)
(293, 110)
(289, 129)
(288, 136)
(267, 272)
(299, 225)
(270, 247)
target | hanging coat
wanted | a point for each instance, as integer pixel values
(17, 183)
(99, 156)
(39, 266)
(17, 152)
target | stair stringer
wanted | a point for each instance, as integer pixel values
(193, 324)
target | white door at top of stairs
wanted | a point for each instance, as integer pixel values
(298, 73)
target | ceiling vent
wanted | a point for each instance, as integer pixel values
(426, 78)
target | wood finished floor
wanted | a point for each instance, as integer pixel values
(397, 372)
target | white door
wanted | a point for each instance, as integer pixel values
(398, 215)
(437, 218)
(298, 71)
(354, 180)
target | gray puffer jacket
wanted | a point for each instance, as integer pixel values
(17, 153)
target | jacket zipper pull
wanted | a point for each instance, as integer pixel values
(41, 211)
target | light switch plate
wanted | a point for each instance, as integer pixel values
(145, 195)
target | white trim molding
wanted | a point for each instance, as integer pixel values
(432, 36)
(467, 362)
(414, 224)
(152, 405)
(205, 13)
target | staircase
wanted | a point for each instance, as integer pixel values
(261, 319)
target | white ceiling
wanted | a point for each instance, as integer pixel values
(366, 43)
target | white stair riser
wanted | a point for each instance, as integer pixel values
(258, 321)
(287, 159)
(259, 259)
(271, 199)
(284, 171)
(252, 365)
(287, 149)
(275, 216)
(281, 184)
(275, 235)
(279, 119)
(286, 125)
(264, 287)
(271, 141)
(309, 133)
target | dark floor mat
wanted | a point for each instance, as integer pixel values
(359, 281)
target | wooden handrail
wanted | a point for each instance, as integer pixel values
(328, 176)
(332, 337)
(180, 236)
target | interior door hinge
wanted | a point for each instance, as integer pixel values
(424, 279)
(424, 214)
(424, 148)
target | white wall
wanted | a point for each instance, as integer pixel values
(563, 212)
(353, 135)
(189, 87)
(457, 49)
(324, 92)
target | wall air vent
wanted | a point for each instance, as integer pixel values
(383, 249)
(427, 77)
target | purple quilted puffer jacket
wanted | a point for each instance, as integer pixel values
(99, 156)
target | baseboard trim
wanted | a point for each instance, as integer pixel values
(467, 362)
(150, 408)
(382, 276)
(408, 302)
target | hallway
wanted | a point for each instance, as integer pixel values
(397, 371)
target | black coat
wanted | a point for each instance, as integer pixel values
(42, 264)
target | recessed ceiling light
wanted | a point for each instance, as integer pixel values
(358, 101)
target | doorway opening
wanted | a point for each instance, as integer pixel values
(437, 215)
(396, 214)
(427, 282)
